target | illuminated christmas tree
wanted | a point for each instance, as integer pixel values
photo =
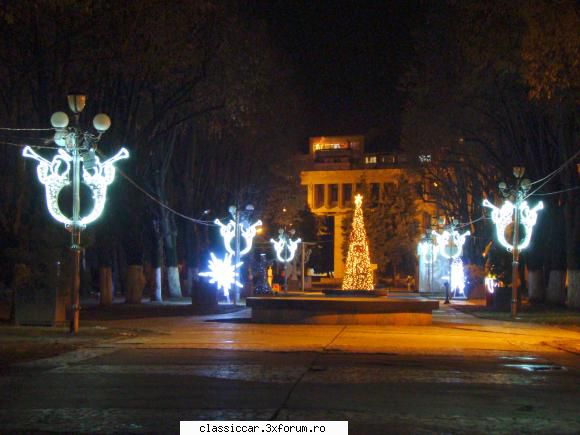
(358, 275)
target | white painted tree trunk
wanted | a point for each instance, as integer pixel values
(157, 295)
(556, 291)
(536, 290)
(573, 288)
(174, 282)
(106, 285)
(135, 284)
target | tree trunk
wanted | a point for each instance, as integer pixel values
(173, 282)
(135, 284)
(556, 291)
(157, 295)
(192, 277)
(573, 288)
(536, 290)
(106, 285)
(169, 241)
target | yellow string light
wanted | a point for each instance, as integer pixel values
(358, 275)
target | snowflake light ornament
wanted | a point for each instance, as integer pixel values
(223, 272)
(504, 216)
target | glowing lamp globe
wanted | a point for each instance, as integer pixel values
(101, 122)
(59, 120)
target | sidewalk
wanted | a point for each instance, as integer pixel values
(172, 325)
(452, 333)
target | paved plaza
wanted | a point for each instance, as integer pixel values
(460, 375)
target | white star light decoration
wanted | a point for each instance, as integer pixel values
(284, 242)
(55, 175)
(502, 217)
(223, 272)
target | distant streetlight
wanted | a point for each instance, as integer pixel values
(76, 146)
(515, 209)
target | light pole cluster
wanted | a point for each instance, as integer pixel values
(285, 249)
(515, 212)
(224, 273)
(76, 147)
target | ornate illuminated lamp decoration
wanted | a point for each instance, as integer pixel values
(450, 245)
(504, 216)
(451, 239)
(427, 251)
(285, 245)
(490, 283)
(457, 277)
(223, 273)
(55, 175)
(228, 233)
(358, 274)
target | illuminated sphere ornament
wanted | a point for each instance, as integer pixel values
(55, 175)
(59, 120)
(504, 216)
(102, 122)
(358, 274)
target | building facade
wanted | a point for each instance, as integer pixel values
(338, 167)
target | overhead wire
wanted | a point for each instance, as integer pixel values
(555, 171)
(20, 145)
(556, 192)
(165, 206)
(25, 129)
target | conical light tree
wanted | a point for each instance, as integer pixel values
(358, 275)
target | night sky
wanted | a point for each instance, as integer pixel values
(347, 57)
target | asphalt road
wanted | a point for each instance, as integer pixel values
(136, 390)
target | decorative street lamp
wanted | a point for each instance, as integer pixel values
(450, 244)
(224, 272)
(75, 147)
(285, 249)
(515, 209)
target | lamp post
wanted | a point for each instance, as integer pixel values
(241, 226)
(303, 261)
(75, 147)
(285, 249)
(515, 209)
(450, 244)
